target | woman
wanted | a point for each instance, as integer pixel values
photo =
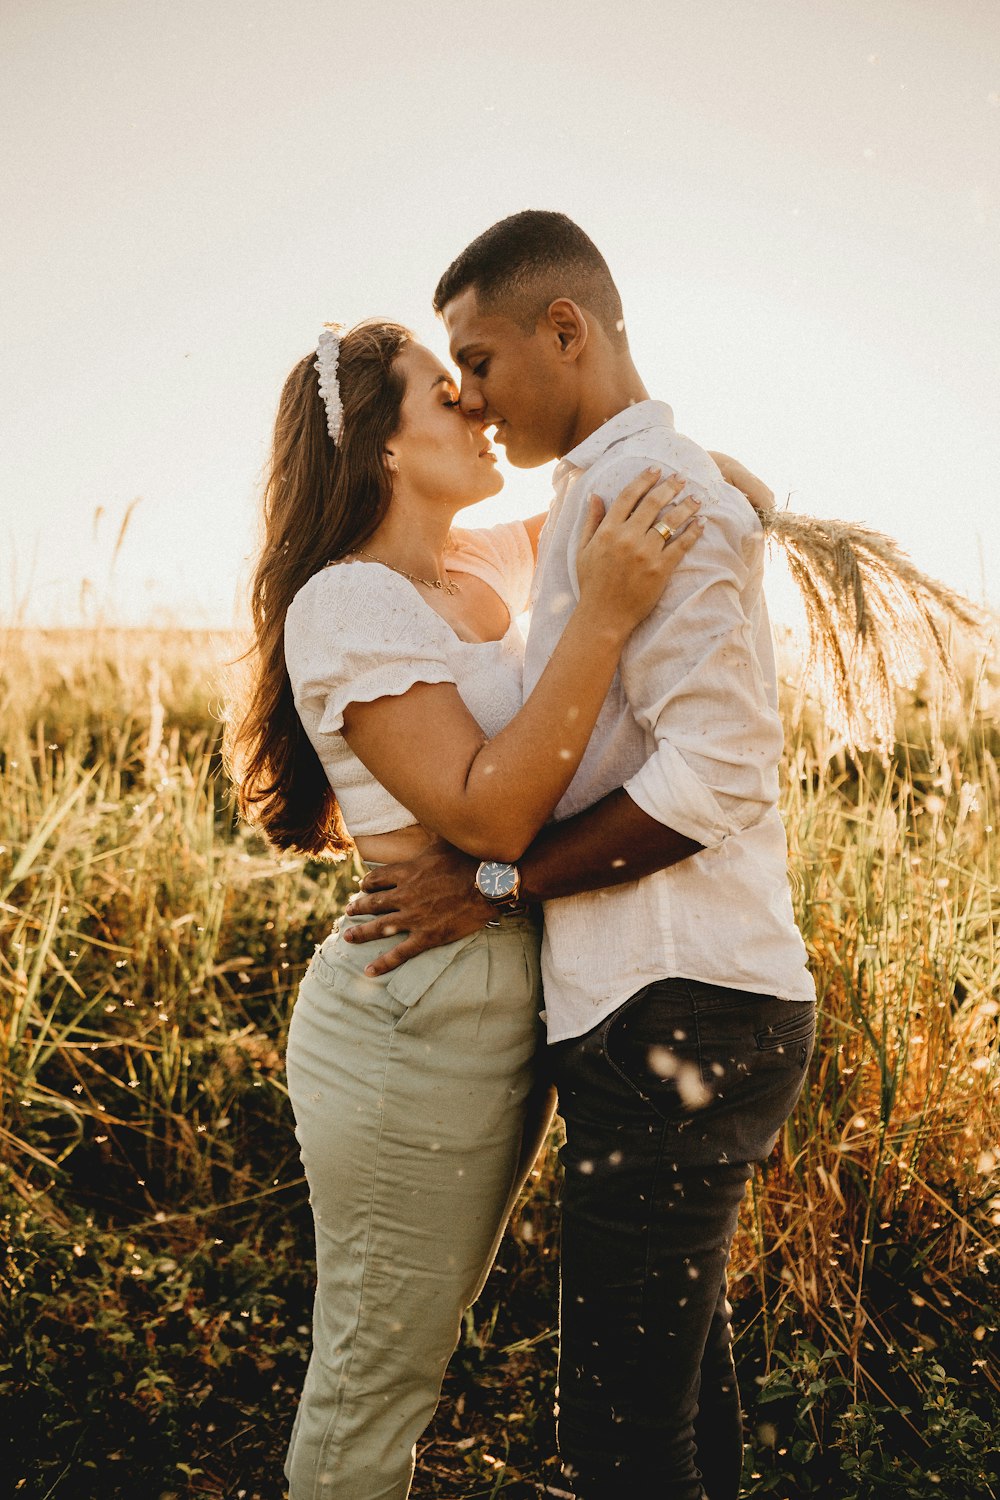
(385, 711)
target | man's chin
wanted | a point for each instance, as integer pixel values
(519, 456)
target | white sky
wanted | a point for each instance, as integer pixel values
(800, 202)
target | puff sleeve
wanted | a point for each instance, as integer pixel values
(356, 632)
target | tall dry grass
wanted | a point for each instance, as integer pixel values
(892, 1157)
(149, 945)
(150, 949)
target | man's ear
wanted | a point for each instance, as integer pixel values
(568, 324)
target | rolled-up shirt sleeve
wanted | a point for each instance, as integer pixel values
(694, 680)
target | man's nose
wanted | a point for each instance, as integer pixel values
(471, 401)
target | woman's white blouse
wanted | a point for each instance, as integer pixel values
(357, 631)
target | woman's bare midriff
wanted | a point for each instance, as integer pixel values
(386, 848)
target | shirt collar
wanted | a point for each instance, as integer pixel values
(639, 417)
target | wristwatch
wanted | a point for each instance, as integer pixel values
(499, 883)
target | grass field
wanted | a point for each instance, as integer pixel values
(157, 1284)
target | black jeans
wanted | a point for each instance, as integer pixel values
(667, 1103)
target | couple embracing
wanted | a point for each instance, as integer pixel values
(576, 866)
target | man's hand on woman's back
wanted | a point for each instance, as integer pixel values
(430, 900)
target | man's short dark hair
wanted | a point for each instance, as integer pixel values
(520, 265)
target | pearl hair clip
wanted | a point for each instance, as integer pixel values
(327, 355)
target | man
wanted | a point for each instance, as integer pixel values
(679, 1010)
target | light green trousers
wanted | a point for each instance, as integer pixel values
(418, 1117)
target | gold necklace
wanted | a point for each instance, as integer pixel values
(431, 583)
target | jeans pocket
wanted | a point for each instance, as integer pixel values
(789, 1031)
(651, 1042)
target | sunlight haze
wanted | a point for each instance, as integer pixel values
(800, 203)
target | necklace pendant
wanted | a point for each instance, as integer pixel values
(429, 583)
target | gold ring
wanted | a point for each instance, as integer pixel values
(665, 531)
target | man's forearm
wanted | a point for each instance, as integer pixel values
(432, 899)
(608, 844)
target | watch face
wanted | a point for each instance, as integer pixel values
(496, 881)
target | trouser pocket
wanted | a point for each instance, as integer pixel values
(339, 964)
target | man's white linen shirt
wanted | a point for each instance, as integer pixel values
(690, 728)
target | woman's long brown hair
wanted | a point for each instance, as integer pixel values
(320, 502)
